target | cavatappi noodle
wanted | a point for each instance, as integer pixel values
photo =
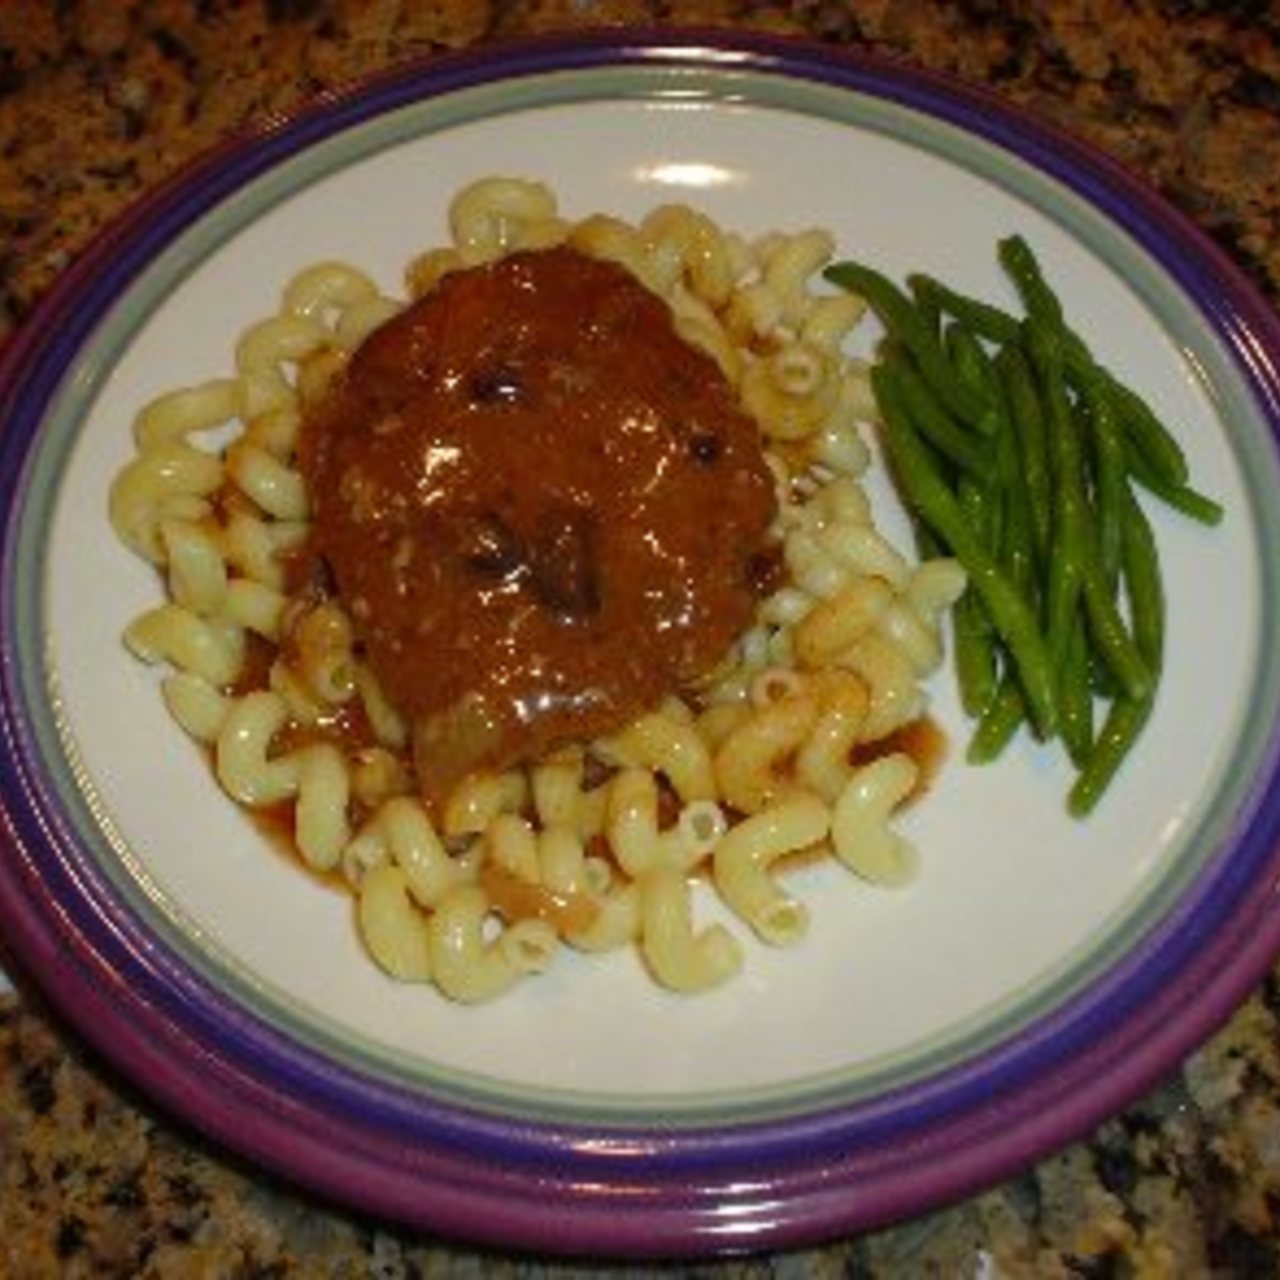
(788, 745)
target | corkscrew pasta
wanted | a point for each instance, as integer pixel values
(787, 748)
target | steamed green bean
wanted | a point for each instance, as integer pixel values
(1018, 452)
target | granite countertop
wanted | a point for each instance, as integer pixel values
(100, 100)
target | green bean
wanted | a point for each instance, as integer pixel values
(1017, 545)
(903, 321)
(1069, 529)
(1109, 470)
(1149, 436)
(1038, 297)
(1117, 650)
(1127, 716)
(1115, 645)
(972, 635)
(1076, 570)
(1027, 418)
(1075, 697)
(1125, 720)
(1148, 433)
(1144, 583)
(1009, 611)
(973, 364)
(931, 313)
(1000, 720)
(982, 318)
(1142, 423)
(936, 423)
(1182, 497)
(974, 654)
(1039, 506)
(966, 355)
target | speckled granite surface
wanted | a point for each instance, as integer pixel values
(100, 99)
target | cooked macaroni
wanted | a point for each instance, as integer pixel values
(787, 747)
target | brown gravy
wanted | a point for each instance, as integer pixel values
(541, 506)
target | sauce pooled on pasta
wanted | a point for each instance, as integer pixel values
(541, 506)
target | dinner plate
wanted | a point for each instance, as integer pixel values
(921, 1042)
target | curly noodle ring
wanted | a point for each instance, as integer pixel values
(750, 762)
(477, 800)
(316, 372)
(428, 269)
(790, 265)
(378, 775)
(386, 722)
(785, 607)
(275, 432)
(394, 931)
(324, 640)
(172, 479)
(559, 797)
(177, 414)
(822, 763)
(616, 923)
(316, 776)
(366, 851)
(892, 685)
(860, 833)
(844, 501)
(699, 827)
(325, 291)
(562, 861)
(469, 969)
(790, 393)
(197, 571)
(262, 355)
(835, 623)
(278, 489)
(687, 247)
(812, 567)
(212, 649)
(241, 761)
(679, 958)
(497, 215)
(700, 327)
(830, 319)
(320, 816)
(400, 832)
(359, 321)
(754, 654)
(672, 747)
(195, 704)
(753, 312)
(255, 607)
(601, 236)
(744, 858)
(511, 844)
(773, 684)
(718, 721)
(631, 825)
(918, 641)
(934, 587)
(556, 783)
(863, 550)
(255, 546)
(838, 446)
(858, 393)
(301, 704)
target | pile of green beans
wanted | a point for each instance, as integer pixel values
(1018, 453)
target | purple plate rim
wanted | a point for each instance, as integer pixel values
(701, 1190)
